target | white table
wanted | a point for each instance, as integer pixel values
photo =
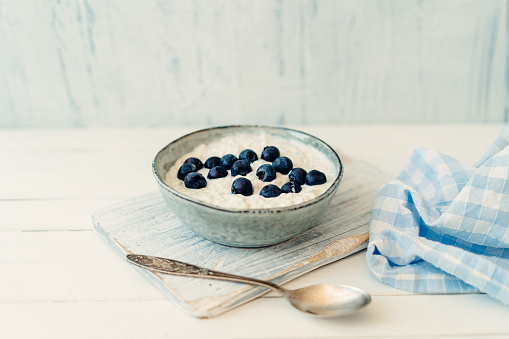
(60, 280)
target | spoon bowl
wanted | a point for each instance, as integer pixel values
(328, 300)
(323, 300)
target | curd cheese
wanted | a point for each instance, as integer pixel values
(218, 191)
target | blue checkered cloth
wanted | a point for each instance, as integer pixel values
(442, 228)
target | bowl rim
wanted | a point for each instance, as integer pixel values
(332, 188)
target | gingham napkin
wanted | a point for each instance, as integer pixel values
(442, 228)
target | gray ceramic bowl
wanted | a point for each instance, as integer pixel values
(242, 228)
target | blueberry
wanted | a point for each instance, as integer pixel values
(270, 153)
(240, 167)
(291, 187)
(270, 191)
(242, 186)
(248, 155)
(315, 177)
(266, 173)
(185, 170)
(194, 161)
(283, 165)
(217, 172)
(228, 160)
(212, 162)
(298, 175)
(195, 180)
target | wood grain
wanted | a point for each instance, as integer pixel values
(152, 63)
(424, 316)
(145, 225)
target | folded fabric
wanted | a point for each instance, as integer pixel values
(442, 228)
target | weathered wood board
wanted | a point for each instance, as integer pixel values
(145, 225)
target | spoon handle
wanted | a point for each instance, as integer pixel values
(174, 267)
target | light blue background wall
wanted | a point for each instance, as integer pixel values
(174, 62)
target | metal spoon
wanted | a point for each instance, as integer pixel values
(324, 300)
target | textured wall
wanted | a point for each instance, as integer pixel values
(150, 62)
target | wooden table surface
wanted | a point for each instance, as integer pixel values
(60, 280)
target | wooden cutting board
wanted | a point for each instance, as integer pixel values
(145, 225)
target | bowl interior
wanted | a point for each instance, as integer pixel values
(167, 157)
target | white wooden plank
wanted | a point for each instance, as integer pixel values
(472, 316)
(76, 175)
(66, 267)
(88, 140)
(73, 282)
(50, 214)
(80, 247)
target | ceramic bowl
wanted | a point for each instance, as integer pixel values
(249, 227)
